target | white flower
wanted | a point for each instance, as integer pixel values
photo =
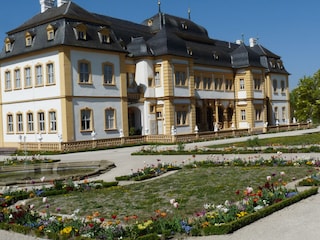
(23, 203)
(172, 201)
(282, 173)
(207, 206)
(31, 206)
(42, 179)
(249, 189)
(175, 204)
(257, 208)
(268, 178)
(44, 199)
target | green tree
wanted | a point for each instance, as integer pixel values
(305, 99)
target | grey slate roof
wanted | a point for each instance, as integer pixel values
(162, 34)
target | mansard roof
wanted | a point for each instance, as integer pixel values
(162, 34)
(244, 56)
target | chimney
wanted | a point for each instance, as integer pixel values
(61, 2)
(46, 4)
(252, 42)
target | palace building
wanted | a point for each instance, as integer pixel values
(71, 75)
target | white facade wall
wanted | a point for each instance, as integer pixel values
(96, 61)
(32, 99)
(96, 96)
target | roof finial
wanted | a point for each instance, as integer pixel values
(189, 13)
(159, 6)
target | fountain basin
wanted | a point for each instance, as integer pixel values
(27, 174)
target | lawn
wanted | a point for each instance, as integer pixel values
(190, 187)
(302, 140)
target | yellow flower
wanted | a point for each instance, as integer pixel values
(241, 214)
(66, 230)
(205, 224)
(144, 225)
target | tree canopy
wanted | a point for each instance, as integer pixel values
(305, 99)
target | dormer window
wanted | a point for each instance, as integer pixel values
(215, 56)
(104, 35)
(189, 51)
(51, 29)
(150, 22)
(81, 31)
(280, 64)
(273, 63)
(29, 38)
(8, 44)
(184, 26)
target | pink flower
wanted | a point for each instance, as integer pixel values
(249, 190)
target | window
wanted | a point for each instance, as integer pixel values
(19, 122)
(197, 82)
(258, 114)
(81, 31)
(8, 44)
(217, 83)
(241, 84)
(104, 35)
(8, 80)
(29, 38)
(17, 79)
(39, 78)
(53, 121)
(9, 123)
(27, 74)
(228, 85)
(28, 41)
(51, 28)
(84, 72)
(180, 78)
(30, 123)
(50, 73)
(157, 79)
(131, 83)
(110, 118)
(257, 84)
(150, 82)
(182, 115)
(283, 86)
(85, 119)
(108, 78)
(276, 113)
(243, 115)
(41, 122)
(207, 83)
(275, 85)
(283, 114)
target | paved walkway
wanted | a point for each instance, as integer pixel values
(299, 221)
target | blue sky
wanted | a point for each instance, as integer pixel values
(287, 28)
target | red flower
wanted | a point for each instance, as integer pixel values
(91, 225)
(114, 216)
(101, 219)
(238, 192)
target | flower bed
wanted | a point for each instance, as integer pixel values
(250, 205)
(148, 172)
